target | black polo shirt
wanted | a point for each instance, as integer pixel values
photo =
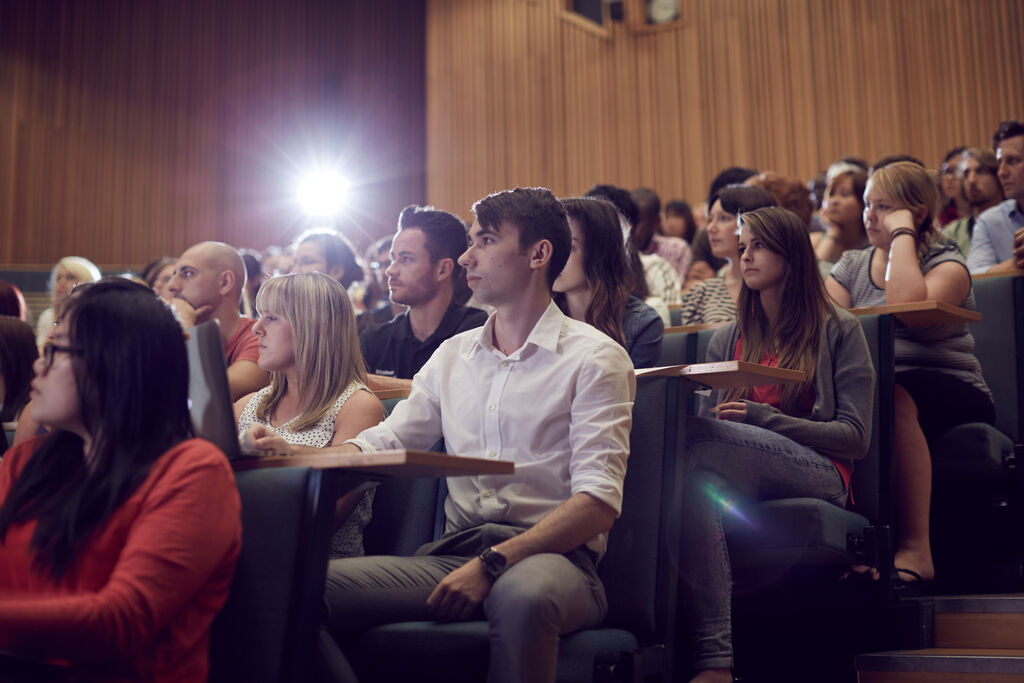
(393, 351)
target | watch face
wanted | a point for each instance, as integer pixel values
(494, 562)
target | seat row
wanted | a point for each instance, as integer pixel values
(268, 629)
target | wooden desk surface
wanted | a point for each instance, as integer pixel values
(384, 394)
(695, 327)
(727, 374)
(399, 464)
(923, 313)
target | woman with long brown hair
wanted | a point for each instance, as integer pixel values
(777, 441)
(595, 284)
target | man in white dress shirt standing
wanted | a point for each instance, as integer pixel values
(531, 386)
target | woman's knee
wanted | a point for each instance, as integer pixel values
(904, 407)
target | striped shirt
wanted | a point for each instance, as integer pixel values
(944, 348)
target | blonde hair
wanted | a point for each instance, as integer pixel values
(327, 354)
(909, 184)
(81, 268)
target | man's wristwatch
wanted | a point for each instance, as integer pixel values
(494, 562)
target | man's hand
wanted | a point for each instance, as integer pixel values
(186, 314)
(1018, 248)
(461, 592)
(735, 411)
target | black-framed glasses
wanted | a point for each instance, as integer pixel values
(50, 349)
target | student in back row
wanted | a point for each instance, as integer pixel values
(907, 262)
(422, 275)
(997, 245)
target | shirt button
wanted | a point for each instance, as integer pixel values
(504, 364)
(493, 454)
(492, 407)
(487, 494)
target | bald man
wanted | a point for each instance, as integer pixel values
(207, 284)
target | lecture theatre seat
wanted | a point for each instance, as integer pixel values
(808, 532)
(267, 631)
(978, 502)
(637, 572)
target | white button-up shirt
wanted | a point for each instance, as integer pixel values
(559, 407)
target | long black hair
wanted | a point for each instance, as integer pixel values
(132, 377)
(18, 351)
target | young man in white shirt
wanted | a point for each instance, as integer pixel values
(532, 386)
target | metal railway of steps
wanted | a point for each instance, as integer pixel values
(977, 639)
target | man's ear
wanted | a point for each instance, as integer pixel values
(540, 254)
(443, 269)
(225, 282)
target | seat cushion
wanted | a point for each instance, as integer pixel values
(460, 650)
(791, 532)
(971, 452)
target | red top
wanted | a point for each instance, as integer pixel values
(144, 588)
(243, 344)
(771, 394)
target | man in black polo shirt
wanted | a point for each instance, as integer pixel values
(422, 275)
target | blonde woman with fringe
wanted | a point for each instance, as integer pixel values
(909, 261)
(768, 442)
(317, 395)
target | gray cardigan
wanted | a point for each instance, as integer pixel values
(840, 422)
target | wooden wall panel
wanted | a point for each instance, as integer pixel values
(129, 130)
(527, 97)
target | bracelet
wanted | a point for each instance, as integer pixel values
(901, 231)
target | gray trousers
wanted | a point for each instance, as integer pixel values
(529, 606)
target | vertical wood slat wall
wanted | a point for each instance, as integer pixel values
(517, 95)
(129, 130)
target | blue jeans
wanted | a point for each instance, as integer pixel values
(726, 463)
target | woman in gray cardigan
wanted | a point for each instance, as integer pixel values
(768, 442)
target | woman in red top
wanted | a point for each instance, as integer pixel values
(764, 443)
(118, 532)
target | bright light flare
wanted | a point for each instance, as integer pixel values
(728, 506)
(322, 193)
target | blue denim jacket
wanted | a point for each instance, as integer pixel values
(644, 330)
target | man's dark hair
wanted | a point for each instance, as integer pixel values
(1006, 130)
(734, 175)
(337, 252)
(537, 214)
(621, 198)
(894, 159)
(647, 202)
(445, 234)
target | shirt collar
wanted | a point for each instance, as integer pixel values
(545, 333)
(403, 327)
